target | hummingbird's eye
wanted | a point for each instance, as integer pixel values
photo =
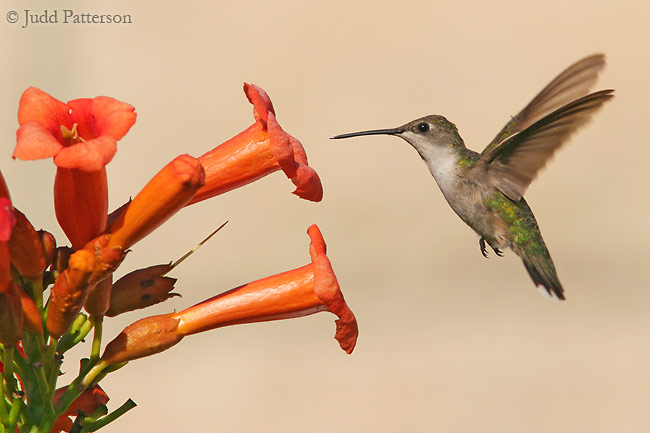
(423, 127)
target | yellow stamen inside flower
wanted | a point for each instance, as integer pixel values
(71, 136)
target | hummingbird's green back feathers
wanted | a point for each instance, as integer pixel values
(572, 83)
(527, 241)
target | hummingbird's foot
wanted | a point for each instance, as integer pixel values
(481, 243)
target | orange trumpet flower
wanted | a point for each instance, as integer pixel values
(260, 150)
(81, 136)
(300, 292)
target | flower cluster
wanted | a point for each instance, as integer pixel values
(81, 136)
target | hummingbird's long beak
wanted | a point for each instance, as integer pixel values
(394, 131)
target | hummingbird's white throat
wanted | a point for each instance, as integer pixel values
(441, 159)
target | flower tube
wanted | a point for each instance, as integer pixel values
(260, 150)
(164, 195)
(299, 292)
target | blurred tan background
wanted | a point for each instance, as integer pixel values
(450, 341)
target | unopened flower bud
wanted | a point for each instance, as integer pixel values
(143, 338)
(26, 248)
(140, 289)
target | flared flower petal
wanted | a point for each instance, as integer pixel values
(40, 107)
(328, 290)
(260, 150)
(91, 155)
(102, 116)
(81, 134)
(262, 104)
(35, 141)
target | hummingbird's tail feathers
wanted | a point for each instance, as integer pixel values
(542, 271)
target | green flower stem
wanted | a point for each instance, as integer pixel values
(53, 374)
(101, 411)
(37, 286)
(83, 331)
(98, 322)
(127, 406)
(46, 390)
(81, 383)
(4, 415)
(13, 414)
(51, 350)
(9, 371)
(93, 373)
(80, 328)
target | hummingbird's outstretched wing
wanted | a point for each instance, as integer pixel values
(513, 164)
(572, 83)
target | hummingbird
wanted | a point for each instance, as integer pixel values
(486, 189)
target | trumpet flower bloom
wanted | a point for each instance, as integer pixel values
(299, 292)
(260, 150)
(81, 136)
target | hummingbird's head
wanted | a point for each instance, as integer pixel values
(430, 132)
(427, 134)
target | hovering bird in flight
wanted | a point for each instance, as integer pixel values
(486, 189)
